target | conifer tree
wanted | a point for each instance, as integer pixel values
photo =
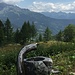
(40, 37)
(8, 31)
(47, 34)
(27, 32)
(17, 36)
(59, 36)
(1, 33)
(33, 30)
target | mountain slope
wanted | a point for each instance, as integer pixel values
(18, 16)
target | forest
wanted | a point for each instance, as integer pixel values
(60, 47)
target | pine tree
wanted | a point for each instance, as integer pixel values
(33, 30)
(25, 32)
(1, 33)
(17, 36)
(47, 34)
(8, 31)
(1, 25)
(59, 36)
(40, 37)
(28, 30)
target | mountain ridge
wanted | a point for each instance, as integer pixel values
(59, 15)
(18, 16)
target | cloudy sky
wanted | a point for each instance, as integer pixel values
(45, 5)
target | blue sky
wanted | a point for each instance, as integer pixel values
(45, 5)
(30, 2)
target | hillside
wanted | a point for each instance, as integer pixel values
(18, 15)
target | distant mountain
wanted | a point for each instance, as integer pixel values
(59, 15)
(18, 16)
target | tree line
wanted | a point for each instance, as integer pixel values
(28, 33)
(6, 32)
(67, 35)
(8, 35)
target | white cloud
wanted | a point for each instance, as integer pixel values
(44, 6)
(11, 1)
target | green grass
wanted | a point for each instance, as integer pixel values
(63, 55)
(8, 59)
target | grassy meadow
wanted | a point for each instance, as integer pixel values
(62, 53)
(8, 59)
